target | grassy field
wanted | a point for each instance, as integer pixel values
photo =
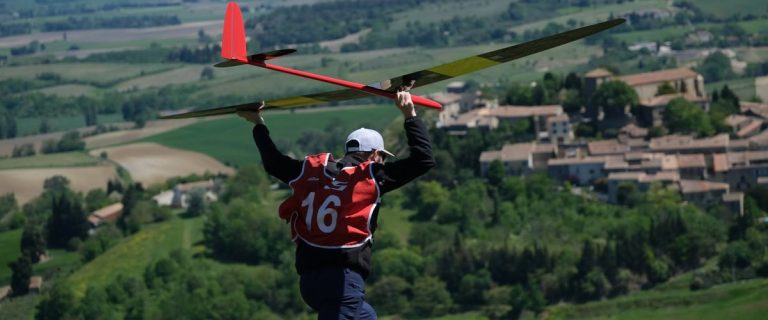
(742, 300)
(726, 9)
(10, 250)
(744, 88)
(55, 160)
(134, 253)
(19, 308)
(27, 126)
(660, 34)
(100, 73)
(594, 14)
(229, 139)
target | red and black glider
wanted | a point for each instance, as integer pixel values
(235, 53)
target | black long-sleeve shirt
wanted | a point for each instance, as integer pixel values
(389, 176)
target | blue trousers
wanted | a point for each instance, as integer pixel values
(336, 294)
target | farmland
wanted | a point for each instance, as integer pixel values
(151, 163)
(28, 183)
(229, 139)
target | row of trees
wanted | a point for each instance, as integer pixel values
(117, 22)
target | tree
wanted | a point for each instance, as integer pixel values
(426, 197)
(245, 232)
(8, 204)
(32, 243)
(402, 263)
(250, 183)
(22, 272)
(11, 129)
(430, 298)
(615, 97)
(389, 295)
(572, 82)
(56, 183)
(682, 116)
(59, 303)
(665, 88)
(71, 141)
(67, 220)
(196, 204)
(496, 173)
(96, 199)
(24, 150)
(716, 67)
(45, 126)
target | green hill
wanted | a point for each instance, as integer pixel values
(229, 139)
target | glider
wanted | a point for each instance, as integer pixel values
(233, 50)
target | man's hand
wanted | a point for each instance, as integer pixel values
(253, 116)
(404, 103)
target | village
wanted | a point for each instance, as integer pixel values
(705, 170)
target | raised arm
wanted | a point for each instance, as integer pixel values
(392, 175)
(275, 162)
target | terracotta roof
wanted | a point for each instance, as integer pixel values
(598, 73)
(205, 184)
(109, 211)
(604, 147)
(490, 156)
(658, 76)
(544, 148)
(633, 176)
(760, 139)
(563, 117)
(738, 145)
(740, 159)
(735, 120)
(670, 162)
(698, 186)
(445, 97)
(691, 161)
(616, 164)
(642, 177)
(758, 109)
(663, 100)
(570, 161)
(682, 142)
(733, 197)
(525, 111)
(672, 176)
(750, 128)
(634, 131)
(516, 152)
(720, 162)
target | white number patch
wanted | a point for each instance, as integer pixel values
(324, 210)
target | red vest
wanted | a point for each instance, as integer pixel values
(331, 212)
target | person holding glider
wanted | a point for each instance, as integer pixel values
(333, 211)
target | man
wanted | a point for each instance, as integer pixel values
(333, 211)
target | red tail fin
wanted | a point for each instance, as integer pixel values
(233, 38)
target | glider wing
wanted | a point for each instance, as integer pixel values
(423, 77)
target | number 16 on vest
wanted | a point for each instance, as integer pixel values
(322, 212)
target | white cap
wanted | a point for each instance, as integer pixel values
(367, 140)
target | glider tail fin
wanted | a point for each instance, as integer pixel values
(233, 37)
(233, 46)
